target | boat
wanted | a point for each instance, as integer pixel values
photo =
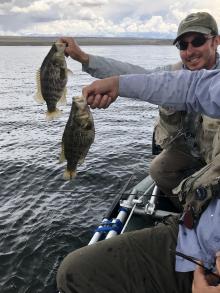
(135, 208)
(139, 207)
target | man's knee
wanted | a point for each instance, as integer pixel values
(167, 171)
(68, 272)
(157, 168)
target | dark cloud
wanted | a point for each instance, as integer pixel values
(5, 1)
(93, 4)
(38, 19)
(21, 3)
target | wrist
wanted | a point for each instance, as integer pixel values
(83, 58)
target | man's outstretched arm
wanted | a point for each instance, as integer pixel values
(197, 91)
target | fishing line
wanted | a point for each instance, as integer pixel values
(113, 193)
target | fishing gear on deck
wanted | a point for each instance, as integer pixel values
(111, 227)
(137, 202)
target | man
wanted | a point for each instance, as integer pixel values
(186, 138)
(141, 261)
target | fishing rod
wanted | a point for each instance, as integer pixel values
(195, 261)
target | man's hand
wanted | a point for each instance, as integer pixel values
(200, 281)
(73, 50)
(101, 93)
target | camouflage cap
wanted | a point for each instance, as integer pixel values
(200, 22)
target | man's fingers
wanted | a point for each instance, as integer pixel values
(108, 102)
(199, 277)
(64, 41)
(86, 91)
(102, 92)
(61, 40)
(90, 100)
(105, 102)
(96, 101)
(99, 101)
(90, 90)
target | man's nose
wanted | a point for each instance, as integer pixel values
(189, 49)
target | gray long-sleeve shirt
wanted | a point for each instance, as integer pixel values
(161, 86)
(197, 91)
(101, 67)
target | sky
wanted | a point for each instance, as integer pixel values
(137, 18)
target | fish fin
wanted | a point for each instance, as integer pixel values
(38, 96)
(69, 72)
(62, 157)
(62, 100)
(53, 115)
(81, 161)
(69, 175)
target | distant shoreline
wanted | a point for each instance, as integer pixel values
(82, 41)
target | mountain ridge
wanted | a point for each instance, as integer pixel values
(82, 41)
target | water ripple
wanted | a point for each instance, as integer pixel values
(43, 217)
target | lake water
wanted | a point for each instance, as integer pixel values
(43, 217)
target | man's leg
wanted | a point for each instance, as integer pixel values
(135, 262)
(170, 167)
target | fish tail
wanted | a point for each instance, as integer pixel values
(69, 175)
(53, 115)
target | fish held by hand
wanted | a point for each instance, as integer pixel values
(79, 134)
(52, 80)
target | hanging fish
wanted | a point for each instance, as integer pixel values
(79, 134)
(52, 80)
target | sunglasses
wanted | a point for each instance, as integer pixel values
(196, 42)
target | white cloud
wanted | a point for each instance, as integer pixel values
(75, 27)
(90, 17)
(87, 14)
(155, 24)
(39, 6)
(181, 9)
